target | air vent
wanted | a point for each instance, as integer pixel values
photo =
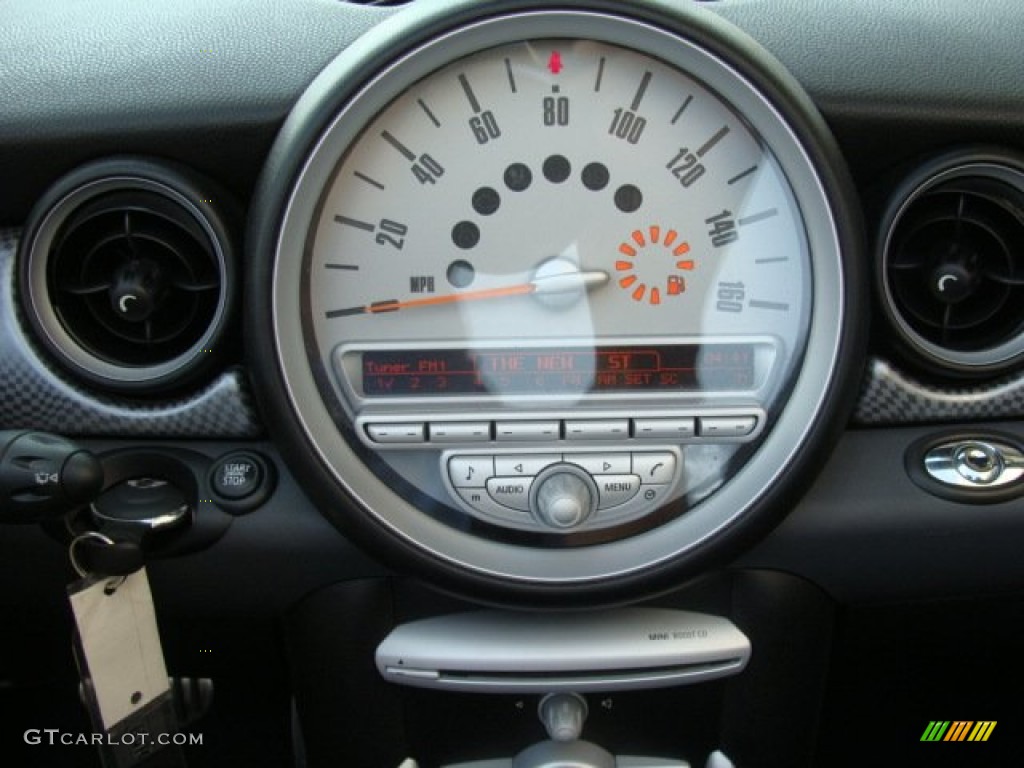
(952, 264)
(126, 274)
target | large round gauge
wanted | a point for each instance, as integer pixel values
(560, 300)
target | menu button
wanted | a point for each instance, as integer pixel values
(616, 489)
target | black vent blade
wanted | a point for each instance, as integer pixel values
(129, 234)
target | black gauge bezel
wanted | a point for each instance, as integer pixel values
(350, 73)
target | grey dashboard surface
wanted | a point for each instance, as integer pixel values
(207, 83)
(210, 82)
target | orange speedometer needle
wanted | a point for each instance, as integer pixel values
(550, 284)
(450, 298)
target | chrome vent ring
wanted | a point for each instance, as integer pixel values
(951, 263)
(127, 274)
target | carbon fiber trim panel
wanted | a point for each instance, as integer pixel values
(34, 396)
(890, 396)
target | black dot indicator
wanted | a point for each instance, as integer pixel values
(460, 274)
(465, 234)
(518, 177)
(486, 201)
(556, 169)
(595, 177)
(628, 198)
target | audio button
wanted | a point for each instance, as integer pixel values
(511, 492)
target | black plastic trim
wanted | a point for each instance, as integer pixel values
(866, 532)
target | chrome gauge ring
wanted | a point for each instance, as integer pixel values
(555, 301)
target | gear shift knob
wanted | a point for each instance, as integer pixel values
(563, 715)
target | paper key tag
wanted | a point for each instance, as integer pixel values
(119, 639)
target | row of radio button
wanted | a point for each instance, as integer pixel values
(548, 430)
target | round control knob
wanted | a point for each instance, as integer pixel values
(563, 496)
(978, 463)
(952, 283)
(137, 290)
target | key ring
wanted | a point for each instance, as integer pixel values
(86, 536)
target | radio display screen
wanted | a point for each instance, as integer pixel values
(681, 368)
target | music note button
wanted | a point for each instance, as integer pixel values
(470, 471)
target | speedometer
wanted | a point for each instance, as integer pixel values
(559, 189)
(556, 188)
(559, 297)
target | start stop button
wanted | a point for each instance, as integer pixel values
(241, 481)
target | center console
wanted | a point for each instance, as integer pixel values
(386, 671)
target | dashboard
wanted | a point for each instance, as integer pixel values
(555, 306)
